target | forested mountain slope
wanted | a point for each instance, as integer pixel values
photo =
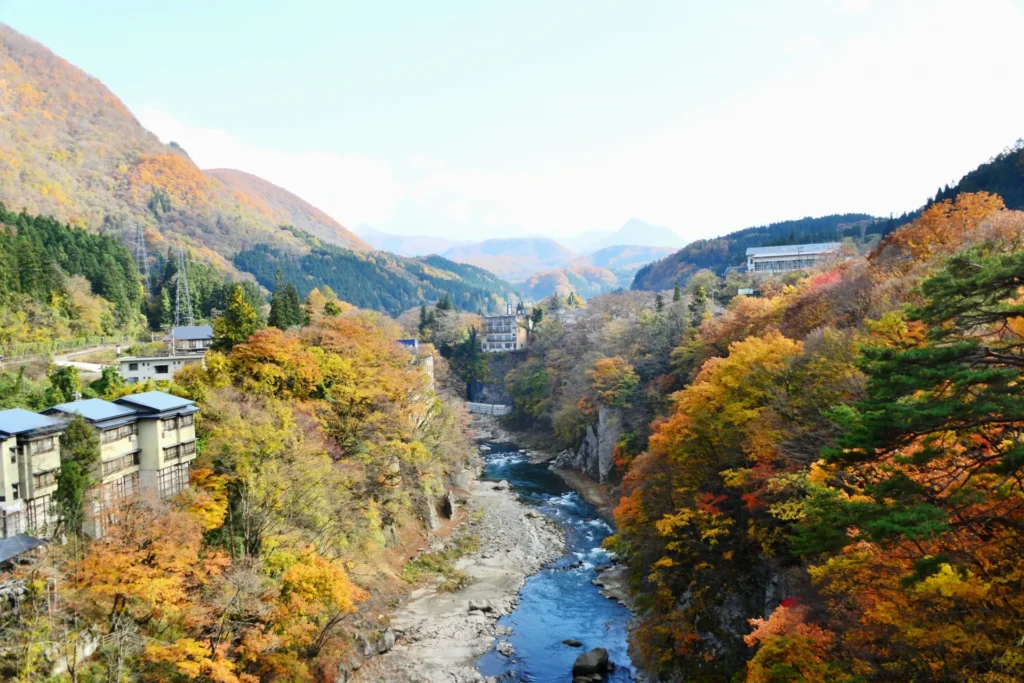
(70, 149)
(59, 282)
(377, 279)
(728, 250)
(285, 208)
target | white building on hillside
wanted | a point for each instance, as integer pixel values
(772, 260)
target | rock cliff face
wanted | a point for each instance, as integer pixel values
(594, 456)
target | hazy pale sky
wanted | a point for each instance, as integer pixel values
(474, 119)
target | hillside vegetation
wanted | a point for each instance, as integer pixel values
(377, 279)
(586, 281)
(730, 250)
(320, 452)
(58, 282)
(821, 483)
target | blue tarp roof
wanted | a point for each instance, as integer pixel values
(95, 409)
(190, 332)
(18, 420)
(16, 545)
(155, 400)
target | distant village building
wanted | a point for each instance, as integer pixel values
(147, 445)
(504, 333)
(784, 259)
(185, 345)
(135, 369)
(190, 338)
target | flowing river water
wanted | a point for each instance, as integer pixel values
(559, 602)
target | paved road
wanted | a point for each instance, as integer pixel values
(64, 360)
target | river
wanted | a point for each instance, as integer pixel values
(559, 602)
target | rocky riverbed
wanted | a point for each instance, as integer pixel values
(439, 635)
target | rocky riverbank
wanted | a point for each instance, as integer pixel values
(439, 635)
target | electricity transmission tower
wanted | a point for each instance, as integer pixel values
(141, 257)
(183, 295)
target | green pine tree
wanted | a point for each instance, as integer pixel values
(65, 386)
(238, 323)
(677, 294)
(166, 309)
(79, 454)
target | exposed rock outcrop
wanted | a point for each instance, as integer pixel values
(594, 456)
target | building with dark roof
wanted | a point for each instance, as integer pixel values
(190, 338)
(29, 463)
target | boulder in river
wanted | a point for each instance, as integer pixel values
(502, 486)
(572, 643)
(593, 662)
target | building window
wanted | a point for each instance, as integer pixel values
(15, 491)
(121, 463)
(161, 369)
(172, 479)
(10, 524)
(133, 367)
(42, 446)
(180, 451)
(168, 425)
(37, 515)
(186, 420)
(45, 479)
(118, 433)
(127, 485)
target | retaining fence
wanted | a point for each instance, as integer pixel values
(488, 408)
(34, 349)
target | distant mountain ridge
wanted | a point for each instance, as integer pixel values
(635, 232)
(408, 245)
(513, 258)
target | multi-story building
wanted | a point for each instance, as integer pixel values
(141, 368)
(190, 338)
(504, 333)
(774, 260)
(167, 439)
(29, 464)
(117, 474)
(147, 445)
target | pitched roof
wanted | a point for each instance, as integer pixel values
(792, 249)
(18, 420)
(157, 401)
(16, 545)
(190, 332)
(94, 409)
